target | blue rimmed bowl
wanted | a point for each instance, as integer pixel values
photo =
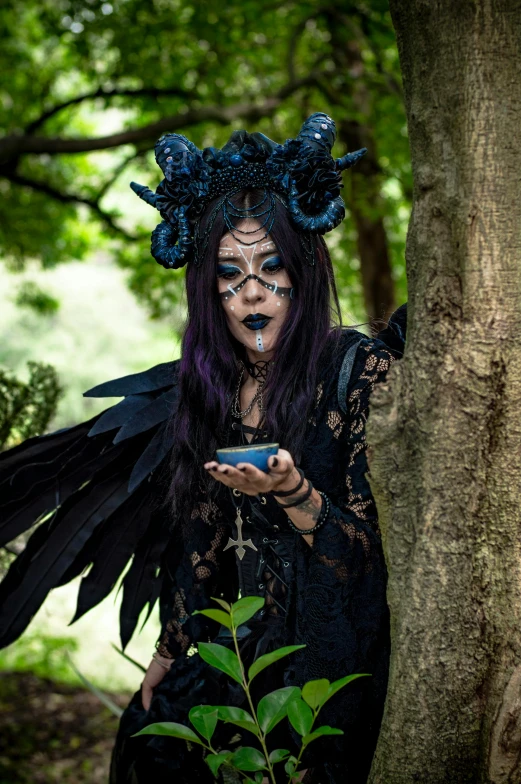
(256, 454)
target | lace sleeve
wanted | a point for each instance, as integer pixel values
(193, 583)
(353, 524)
(341, 604)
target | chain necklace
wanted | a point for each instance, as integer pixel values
(257, 398)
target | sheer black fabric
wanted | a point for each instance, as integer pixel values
(330, 597)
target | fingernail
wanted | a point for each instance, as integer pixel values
(211, 468)
(242, 469)
(275, 462)
(225, 471)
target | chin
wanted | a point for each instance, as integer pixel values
(268, 343)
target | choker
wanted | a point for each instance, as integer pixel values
(258, 370)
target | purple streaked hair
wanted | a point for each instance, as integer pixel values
(208, 372)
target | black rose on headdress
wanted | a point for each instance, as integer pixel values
(312, 169)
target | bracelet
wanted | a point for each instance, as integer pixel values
(324, 512)
(299, 499)
(161, 664)
(287, 493)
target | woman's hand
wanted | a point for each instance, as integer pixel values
(250, 480)
(153, 677)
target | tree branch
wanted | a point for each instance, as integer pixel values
(293, 42)
(18, 144)
(151, 92)
(72, 198)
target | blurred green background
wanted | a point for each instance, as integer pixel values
(86, 88)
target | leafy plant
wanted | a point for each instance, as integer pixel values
(300, 706)
(26, 408)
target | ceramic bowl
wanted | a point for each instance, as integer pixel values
(256, 454)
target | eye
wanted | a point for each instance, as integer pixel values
(272, 265)
(227, 272)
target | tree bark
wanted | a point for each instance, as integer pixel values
(445, 429)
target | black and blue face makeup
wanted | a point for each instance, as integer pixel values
(272, 265)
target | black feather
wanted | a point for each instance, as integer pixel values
(152, 457)
(22, 592)
(117, 415)
(122, 531)
(140, 582)
(160, 376)
(157, 411)
(36, 449)
(394, 334)
(46, 494)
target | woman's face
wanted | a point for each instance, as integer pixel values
(254, 287)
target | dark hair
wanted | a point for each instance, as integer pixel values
(208, 372)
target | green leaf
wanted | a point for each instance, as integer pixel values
(222, 658)
(223, 604)
(290, 765)
(319, 732)
(172, 729)
(204, 719)
(258, 778)
(216, 615)
(274, 706)
(300, 716)
(239, 717)
(246, 608)
(277, 755)
(315, 692)
(341, 682)
(270, 658)
(215, 761)
(248, 758)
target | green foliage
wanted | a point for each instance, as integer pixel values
(72, 71)
(30, 295)
(300, 706)
(27, 408)
(43, 655)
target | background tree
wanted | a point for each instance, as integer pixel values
(445, 430)
(87, 86)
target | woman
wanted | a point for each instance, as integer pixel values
(261, 361)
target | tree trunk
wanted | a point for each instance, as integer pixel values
(445, 429)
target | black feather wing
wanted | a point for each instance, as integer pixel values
(84, 489)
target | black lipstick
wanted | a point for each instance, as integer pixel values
(256, 320)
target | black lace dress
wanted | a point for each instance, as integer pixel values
(330, 597)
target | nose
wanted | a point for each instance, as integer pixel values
(253, 292)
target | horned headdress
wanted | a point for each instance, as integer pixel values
(301, 173)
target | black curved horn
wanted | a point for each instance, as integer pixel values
(145, 193)
(331, 216)
(171, 149)
(172, 244)
(346, 161)
(319, 130)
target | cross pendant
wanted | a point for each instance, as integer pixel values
(240, 542)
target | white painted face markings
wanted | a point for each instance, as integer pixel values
(243, 251)
(241, 263)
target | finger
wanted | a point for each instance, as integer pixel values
(281, 463)
(251, 473)
(212, 465)
(228, 475)
(146, 696)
